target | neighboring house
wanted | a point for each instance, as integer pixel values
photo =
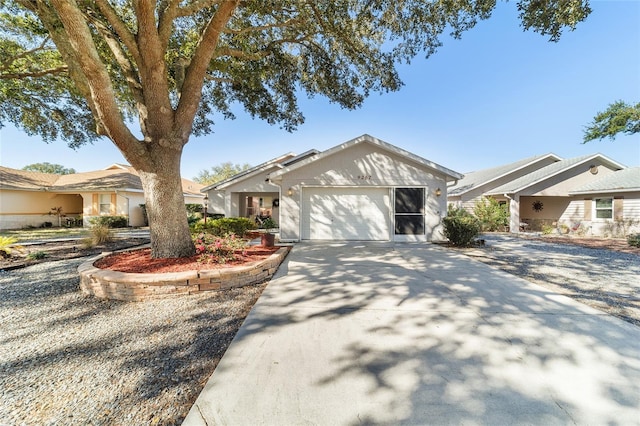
(550, 192)
(363, 189)
(28, 197)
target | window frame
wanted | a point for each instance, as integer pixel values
(421, 213)
(597, 209)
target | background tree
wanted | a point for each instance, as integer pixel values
(82, 70)
(617, 118)
(220, 172)
(56, 169)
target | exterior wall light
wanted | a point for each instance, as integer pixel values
(290, 191)
(438, 192)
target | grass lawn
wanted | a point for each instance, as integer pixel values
(24, 235)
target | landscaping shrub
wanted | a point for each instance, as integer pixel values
(109, 221)
(634, 240)
(224, 226)
(36, 255)
(7, 246)
(492, 215)
(461, 227)
(268, 223)
(100, 234)
(218, 249)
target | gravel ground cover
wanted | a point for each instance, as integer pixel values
(606, 279)
(74, 360)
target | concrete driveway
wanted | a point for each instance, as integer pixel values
(365, 333)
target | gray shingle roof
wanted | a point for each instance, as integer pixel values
(547, 172)
(482, 177)
(625, 180)
(109, 179)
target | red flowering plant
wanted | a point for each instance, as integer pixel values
(211, 248)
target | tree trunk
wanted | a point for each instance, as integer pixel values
(170, 235)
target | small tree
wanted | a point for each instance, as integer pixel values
(493, 216)
(460, 226)
(220, 172)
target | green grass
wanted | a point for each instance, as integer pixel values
(25, 235)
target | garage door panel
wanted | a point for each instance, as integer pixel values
(345, 214)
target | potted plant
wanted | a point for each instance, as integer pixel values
(268, 239)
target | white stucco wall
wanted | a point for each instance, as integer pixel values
(361, 165)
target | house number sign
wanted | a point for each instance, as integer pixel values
(364, 177)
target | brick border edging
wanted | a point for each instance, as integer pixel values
(130, 287)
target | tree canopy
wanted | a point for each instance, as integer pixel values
(56, 169)
(82, 70)
(220, 172)
(618, 118)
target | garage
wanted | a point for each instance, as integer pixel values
(348, 213)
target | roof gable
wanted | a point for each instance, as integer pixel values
(551, 170)
(245, 174)
(368, 139)
(485, 177)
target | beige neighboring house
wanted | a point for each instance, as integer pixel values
(590, 194)
(26, 198)
(363, 190)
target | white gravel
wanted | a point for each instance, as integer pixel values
(74, 360)
(604, 279)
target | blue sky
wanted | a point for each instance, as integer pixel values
(496, 96)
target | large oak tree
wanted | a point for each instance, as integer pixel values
(80, 69)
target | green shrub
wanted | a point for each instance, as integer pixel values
(100, 234)
(224, 226)
(217, 249)
(634, 240)
(7, 246)
(268, 223)
(109, 221)
(493, 216)
(461, 227)
(36, 255)
(547, 229)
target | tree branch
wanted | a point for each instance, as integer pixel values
(128, 39)
(198, 5)
(102, 94)
(197, 70)
(34, 74)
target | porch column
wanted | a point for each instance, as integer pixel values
(514, 214)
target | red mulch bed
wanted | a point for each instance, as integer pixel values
(140, 261)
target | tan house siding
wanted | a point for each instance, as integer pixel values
(20, 209)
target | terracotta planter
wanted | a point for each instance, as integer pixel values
(268, 240)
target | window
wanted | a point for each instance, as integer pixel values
(409, 211)
(105, 204)
(604, 208)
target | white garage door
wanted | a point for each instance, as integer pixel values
(345, 214)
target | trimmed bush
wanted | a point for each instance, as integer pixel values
(225, 226)
(109, 221)
(634, 240)
(461, 227)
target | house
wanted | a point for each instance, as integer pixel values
(363, 189)
(27, 198)
(590, 194)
